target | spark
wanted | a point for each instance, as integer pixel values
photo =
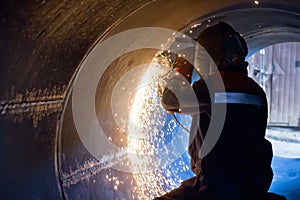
(145, 121)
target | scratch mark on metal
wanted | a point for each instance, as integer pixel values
(35, 104)
(90, 168)
(86, 171)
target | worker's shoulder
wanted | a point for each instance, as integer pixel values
(235, 81)
(255, 87)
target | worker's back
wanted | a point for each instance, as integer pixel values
(239, 165)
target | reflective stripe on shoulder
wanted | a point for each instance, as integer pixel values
(238, 98)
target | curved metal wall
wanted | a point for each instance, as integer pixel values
(42, 45)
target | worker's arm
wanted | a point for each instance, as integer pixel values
(184, 68)
(180, 83)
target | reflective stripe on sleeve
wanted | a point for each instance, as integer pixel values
(238, 98)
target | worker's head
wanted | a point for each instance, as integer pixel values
(225, 46)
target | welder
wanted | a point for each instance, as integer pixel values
(239, 165)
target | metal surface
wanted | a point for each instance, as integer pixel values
(42, 45)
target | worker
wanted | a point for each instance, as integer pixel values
(238, 167)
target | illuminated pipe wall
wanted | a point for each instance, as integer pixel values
(42, 46)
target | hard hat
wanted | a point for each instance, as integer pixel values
(226, 46)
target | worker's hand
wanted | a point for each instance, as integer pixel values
(179, 63)
(184, 68)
